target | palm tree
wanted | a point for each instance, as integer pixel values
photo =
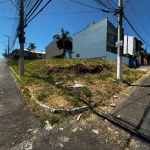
(63, 38)
(32, 46)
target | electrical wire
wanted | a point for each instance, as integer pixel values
(136, 31)
(104, 4)
(67, 13)
(32, 10)
(85, 4)
(38, 12)
(126, 3)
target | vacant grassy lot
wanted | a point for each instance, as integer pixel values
(49, 81)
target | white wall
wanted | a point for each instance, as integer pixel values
(129, 45)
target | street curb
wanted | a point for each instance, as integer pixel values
(73, 111)
(14, 73)
(123, 124)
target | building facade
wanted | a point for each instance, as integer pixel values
(55, 49)
(132, 48)
(29, 54)
(95, 40)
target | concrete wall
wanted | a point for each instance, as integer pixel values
(113, 57)
(52, 50)
(91, 41)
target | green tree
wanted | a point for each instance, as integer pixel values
(32, 46)
(63, 38)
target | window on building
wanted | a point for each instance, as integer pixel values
(110, 38)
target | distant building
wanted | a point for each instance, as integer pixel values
(55, 49)
(132, 47)
(98, 40)
(29, 54)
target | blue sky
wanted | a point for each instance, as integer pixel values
(73, 17)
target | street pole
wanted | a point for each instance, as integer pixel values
(21, 38)
(8, 46)
(127, 47)
(119, 55)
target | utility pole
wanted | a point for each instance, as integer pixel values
(21, 37)
(8, 46)
(127, 47)
(119, 55)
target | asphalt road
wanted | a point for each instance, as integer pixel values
(19, 130)
(15, 121)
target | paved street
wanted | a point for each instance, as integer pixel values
(15, 121)
(19, 130)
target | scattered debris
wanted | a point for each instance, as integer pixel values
(30, 130)
(106, 120)
(95, 131)
(36, 131)
(118, 116)
(66, 139)
(114, 80)
(109, 129)
(0, 105)
(61, 129)
(92, 105)
(78, 117)
(117, 132)
(61, 145)
(113, 105)
(74, 130)
(58, 83)
(106, 113)
(112, 101)
(76, 86)
(2, 92)
(48, 125)
(106, 140)
(114, 96)
(80, 129)
(77, 81)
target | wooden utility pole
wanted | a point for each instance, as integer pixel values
(21, 37)
(119, 55)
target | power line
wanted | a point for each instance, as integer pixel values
(4, 1)
(66, 13)
(85, 4)
(14, 4)
(126, 3)
(104, 4)
(32, 10)
(136, 31)
(38, 11)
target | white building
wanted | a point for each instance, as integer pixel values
(131, 45)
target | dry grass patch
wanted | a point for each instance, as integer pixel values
(49, 80)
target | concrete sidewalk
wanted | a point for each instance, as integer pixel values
(132, 110)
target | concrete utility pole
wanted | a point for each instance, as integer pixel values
(8, 45)
(21, 37)
(119, 56)
(127, 47)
